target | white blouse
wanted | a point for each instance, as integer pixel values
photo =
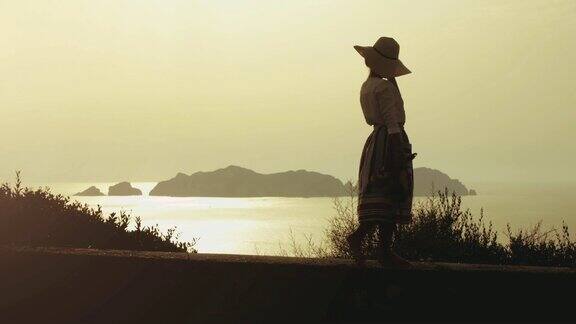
(382, 104)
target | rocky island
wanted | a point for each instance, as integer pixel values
(235, 181)
(427, 181)
(92, 191)
(123, 189)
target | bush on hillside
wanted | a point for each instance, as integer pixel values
(443, 231)
(37, 217)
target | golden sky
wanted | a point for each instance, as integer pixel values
(138, 90)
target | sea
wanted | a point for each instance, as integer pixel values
(272, 225)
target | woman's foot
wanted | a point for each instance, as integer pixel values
(392, 260)
(355, 246)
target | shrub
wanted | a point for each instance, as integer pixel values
(37, 217)
(536, 246)
(443, 231)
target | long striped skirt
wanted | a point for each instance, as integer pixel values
(383, 196)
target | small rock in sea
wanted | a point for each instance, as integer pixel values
(92, 191)
(123, 189)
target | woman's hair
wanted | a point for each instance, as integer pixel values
(392, 79)
(373, 73)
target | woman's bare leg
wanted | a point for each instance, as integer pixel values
(356, 238)
(386, 255)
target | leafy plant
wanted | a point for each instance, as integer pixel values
(37, 217)
(443, 231)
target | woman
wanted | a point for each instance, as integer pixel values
(385, 182)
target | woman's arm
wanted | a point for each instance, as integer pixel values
(387, 105)
(395, 159)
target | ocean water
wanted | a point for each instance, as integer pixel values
(267, 225)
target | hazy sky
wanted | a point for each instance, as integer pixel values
(141, 89)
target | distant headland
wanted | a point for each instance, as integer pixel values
(235, 181)
(428, 181)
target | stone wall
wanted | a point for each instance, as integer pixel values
(49, 285)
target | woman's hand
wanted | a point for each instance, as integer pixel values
(396, 158)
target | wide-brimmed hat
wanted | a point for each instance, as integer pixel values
(383, 57)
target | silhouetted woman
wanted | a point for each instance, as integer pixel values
(385, 183)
